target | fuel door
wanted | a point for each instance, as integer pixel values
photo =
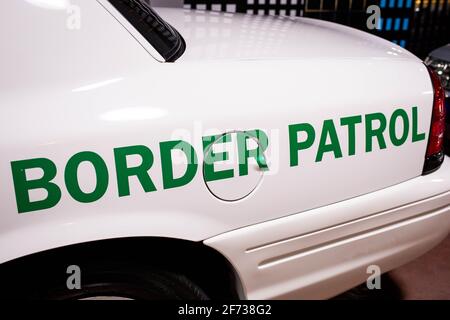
(234, 163)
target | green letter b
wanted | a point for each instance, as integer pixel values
(22, 185)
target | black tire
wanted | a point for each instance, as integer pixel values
(114, 281)
(389, 291)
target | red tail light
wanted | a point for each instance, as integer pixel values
(435, 149)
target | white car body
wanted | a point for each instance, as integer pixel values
(305, 231)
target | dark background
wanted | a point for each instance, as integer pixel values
(417, 25)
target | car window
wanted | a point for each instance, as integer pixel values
(162, 36)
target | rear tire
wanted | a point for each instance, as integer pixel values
(106, 281)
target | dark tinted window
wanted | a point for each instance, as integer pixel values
(163, 37)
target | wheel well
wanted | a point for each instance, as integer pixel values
(202, 264)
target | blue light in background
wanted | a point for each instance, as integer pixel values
(380, 24)
(405, 24)
(388, 23)
(397, 24)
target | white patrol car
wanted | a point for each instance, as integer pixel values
(170, 153)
